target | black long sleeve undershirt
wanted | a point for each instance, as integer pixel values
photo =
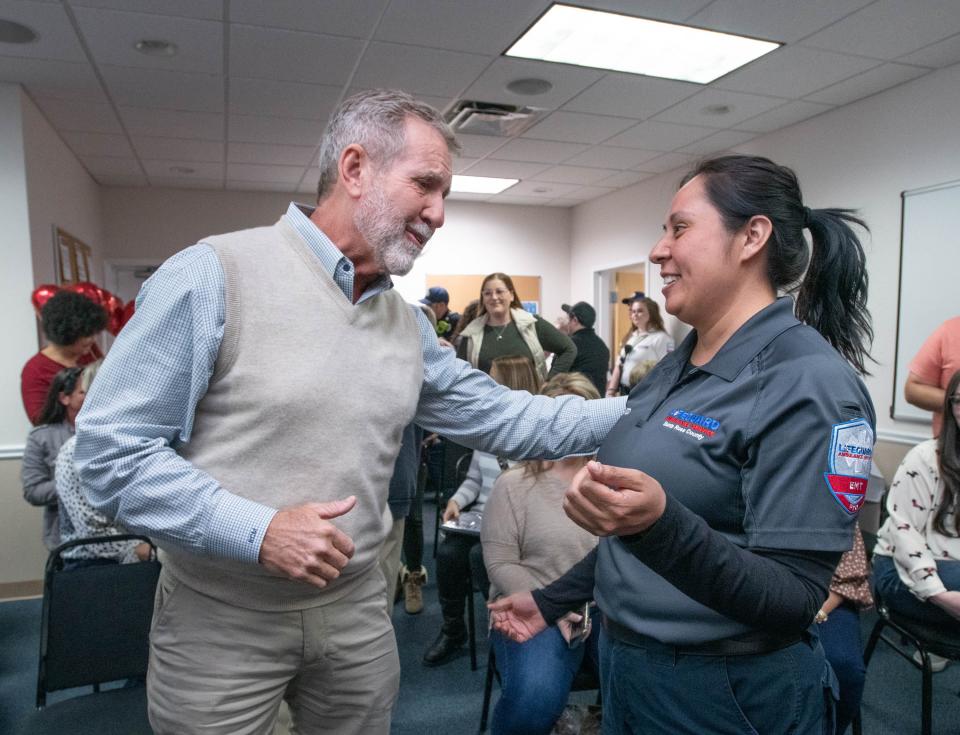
(772, 590)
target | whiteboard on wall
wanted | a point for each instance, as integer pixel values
(929, 291)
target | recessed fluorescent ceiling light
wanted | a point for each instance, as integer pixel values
(480, 185)
(569, 35)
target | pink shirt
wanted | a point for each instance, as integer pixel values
(938, 359)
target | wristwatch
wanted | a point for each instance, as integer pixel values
(821, 616)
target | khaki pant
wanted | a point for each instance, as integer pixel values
(219, 669)
(389, 560)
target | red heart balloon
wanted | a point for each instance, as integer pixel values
(85, 288)
(41, 295)
(114, 307)
(128, 310)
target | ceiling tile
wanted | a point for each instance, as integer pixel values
(185, 182)
(94, 117)
(165, 169)
(261, 186)
(254, 172)
(178, 149)
(775, 20)
(336, 17)
(939, 55)
(111, 35)
(203, 9)
(567, 81)
(573, 175)
(279, 130)
(506, 198)
(108, 180)
(667, 162)
(109, 166)
(542, 189)
(478, 146)
(794, 72)
(539, 151)
(887, 29)
(58, 79)
(282, 99)
(98, 144)
(487, 27)
(722, 141)
(630, 95)
(284, 155)
(577, 127)
(653, 135)
(586, 193)
(781, 117)
(56, 38)
(266, 53)
(462, 196)
(695, 110)
(624, 178)
(418, 70)
(172, 123)
(870, 82)
(460, 165)
(152, 88)
(607, 156)
(506, 169)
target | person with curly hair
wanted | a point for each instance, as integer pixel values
(71, 323)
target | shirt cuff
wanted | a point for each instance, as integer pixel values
(237, 528)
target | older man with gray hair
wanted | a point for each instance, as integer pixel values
(234, 422)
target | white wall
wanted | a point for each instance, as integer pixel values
(859, 156)
(152, 224)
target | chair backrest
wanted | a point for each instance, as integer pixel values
(452, 456)
(95, 621)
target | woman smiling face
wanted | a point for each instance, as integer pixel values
(639, 316)
(496, 300)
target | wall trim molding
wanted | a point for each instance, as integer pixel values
(901, 437)
(12, 451)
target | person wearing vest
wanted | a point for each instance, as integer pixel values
(220, 427)
(502, 328)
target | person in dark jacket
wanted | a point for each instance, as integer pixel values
(593, 356)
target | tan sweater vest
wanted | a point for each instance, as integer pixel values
(308, 400)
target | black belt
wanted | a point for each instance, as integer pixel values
(749, 644)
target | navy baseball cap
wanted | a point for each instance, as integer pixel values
(637, 295)
(583, 312)
(436, 295)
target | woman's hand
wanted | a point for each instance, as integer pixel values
(948, 601)
(614, 501)
(517, 617)
(451, 512)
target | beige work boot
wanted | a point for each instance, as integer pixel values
(412, 594)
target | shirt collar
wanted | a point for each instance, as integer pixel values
(333, 261)
(746, 343)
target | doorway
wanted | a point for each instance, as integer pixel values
(612, 285)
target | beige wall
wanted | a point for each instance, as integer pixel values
(22, 554)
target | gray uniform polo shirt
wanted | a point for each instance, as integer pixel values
(770, 443)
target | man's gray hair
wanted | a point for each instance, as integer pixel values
(375, 119)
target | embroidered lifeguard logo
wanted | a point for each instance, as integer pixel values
(691, 424)
(851, 453)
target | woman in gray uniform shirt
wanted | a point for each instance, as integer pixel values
(728, 491)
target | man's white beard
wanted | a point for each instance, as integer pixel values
(385, 231)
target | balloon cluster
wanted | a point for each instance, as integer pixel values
(118, 313)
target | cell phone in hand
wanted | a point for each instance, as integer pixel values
(580, 631)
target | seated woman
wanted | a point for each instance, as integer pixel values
(458, 555)
(529, 542)
(71, 323)
(916, 562)
(55, 425)
(79, 520)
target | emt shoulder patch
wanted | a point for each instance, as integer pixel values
(850, 456)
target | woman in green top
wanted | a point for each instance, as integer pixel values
(503, 328)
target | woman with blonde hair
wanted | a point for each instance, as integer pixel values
(528, 542)
(502, 327)
(646, 341)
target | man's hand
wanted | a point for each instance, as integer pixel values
(302, 544)
(517, 617)
(634, 504)
(451, 512)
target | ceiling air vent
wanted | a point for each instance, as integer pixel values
(491, 118)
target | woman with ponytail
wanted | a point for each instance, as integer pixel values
(728, 493)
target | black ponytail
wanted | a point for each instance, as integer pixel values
(831, 282)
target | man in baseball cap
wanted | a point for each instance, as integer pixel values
(438, 300)
(593, 357)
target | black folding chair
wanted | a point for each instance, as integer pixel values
(456, 462)
(95, 621)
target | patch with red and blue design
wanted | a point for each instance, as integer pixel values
(849, 460)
